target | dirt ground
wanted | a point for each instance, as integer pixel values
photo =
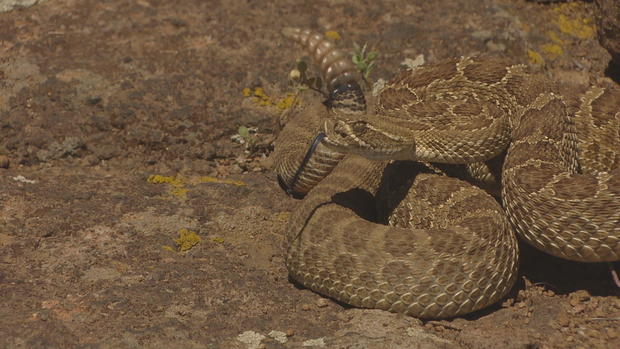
(131, 214)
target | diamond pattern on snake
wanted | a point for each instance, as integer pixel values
(383, 225)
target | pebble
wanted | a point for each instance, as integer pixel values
(495, 47)
(599, 312)
(482, 34)
(322, 303)
(563, 319)
(508, 303)
(578, 308)
(4, 161)
(578, 297)
(592, 333)
(236, 169)
(208, 151)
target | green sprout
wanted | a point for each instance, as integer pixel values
(248, 139)
(363, 60)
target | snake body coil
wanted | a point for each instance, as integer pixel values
(436, 246)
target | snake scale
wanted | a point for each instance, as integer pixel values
(378, 229)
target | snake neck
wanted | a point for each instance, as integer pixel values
(308, 157)
(347, 98)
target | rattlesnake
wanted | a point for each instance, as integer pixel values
(436, 246)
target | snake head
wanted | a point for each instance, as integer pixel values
(372, 139)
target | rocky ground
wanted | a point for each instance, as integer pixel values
(134, 211)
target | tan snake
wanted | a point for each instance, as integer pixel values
(378, 233)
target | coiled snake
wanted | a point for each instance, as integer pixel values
(437, 246)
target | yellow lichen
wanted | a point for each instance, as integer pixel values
(580, 27)
(570, 20)
(261, 98)
(553, 35)
(332, 34)
(177, 184)
(535, 58)
(168, 248)
(218, 240)
(180, 192)
(283, 216)
(157, 179)
(286, 102)
(186, 240)
(552, 51)
(570, 23)
(208, 179)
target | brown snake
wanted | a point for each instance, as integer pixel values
(377, 233)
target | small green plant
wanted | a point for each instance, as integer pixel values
(244, 132)
(363, 60)
(245, 135)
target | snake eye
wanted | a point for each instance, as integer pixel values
(340, 128)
